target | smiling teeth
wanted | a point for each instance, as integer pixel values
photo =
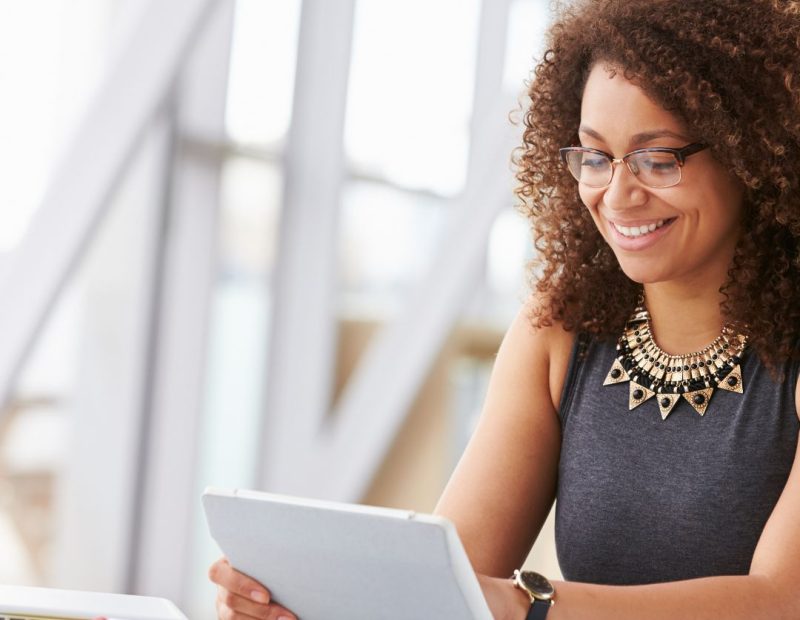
(638, 231)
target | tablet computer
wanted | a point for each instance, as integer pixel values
(25, 603)
(334, 561)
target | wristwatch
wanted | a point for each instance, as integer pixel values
(538, 588)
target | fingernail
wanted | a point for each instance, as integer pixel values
(284, 618)
(258, 596)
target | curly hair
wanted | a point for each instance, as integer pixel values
(730, 70)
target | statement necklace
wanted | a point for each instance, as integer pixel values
(653, 372)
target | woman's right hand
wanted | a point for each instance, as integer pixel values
(242, 598)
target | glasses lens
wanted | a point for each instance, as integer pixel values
(655, 169)
(589, 168)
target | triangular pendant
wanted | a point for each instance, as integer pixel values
(666, 402)
(638, 394)
(699, 399)
(733, 382)
(617, 374)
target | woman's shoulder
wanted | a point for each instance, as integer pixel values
(541, 348)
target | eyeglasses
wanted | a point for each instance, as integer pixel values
(655, 167)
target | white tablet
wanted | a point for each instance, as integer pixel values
(334, 561)
(24, 603)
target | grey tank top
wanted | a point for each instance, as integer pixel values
(646, 500)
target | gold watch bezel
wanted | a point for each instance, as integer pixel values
(529, 581)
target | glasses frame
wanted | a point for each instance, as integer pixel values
(679, 154)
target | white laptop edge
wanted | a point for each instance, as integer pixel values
(47, 603)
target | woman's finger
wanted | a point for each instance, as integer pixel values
(240, 610)
(280, 613)
(226, 613)
(223, 574)
(242, 605)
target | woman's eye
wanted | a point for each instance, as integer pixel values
(658, 165)
(593, 162)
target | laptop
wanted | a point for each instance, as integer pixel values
(335, 561)
(26, 603)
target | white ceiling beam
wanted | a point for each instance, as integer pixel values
(303, 334)
(106, 405)
(169, 493)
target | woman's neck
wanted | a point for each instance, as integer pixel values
(683, 319)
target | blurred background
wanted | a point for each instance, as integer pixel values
(245, 243)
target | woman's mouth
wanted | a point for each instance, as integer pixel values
(632, 232)
(641, 236)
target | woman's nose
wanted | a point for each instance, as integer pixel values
(624, 191)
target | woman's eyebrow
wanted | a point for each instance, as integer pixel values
(648, 136)
(640, 138)
(590, 132)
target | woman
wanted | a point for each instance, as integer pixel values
(651, 382)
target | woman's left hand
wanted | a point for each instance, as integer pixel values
(505, 601)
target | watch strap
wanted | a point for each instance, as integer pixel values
(538, 610)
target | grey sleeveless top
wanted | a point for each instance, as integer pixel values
(645, 500)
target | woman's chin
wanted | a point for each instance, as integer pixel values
(641, 274)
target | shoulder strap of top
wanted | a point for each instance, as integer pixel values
(576, 358)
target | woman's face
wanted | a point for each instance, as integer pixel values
(698, 220)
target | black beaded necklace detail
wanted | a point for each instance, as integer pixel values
(653, 372)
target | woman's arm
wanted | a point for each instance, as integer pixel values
(502, 490)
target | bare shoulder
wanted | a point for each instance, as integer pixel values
(540, 346)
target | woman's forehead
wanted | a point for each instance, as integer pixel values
(613, 107)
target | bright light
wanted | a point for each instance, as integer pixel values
(264, 47)
(51, 54)
(410, 93)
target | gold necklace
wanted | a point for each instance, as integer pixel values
(653, 372)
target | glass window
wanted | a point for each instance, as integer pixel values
(259, 107)
(50, 63)
(527, 22)
(263, 54)
(238, 345)
(34, 432)
(76, 405)
(387, 240)
(509, 251)
(410, 91)
(52, 55)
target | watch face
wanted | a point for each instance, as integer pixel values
(538, 585)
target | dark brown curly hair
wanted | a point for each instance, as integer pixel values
(730, 70)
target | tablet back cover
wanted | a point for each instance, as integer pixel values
(327, 561)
